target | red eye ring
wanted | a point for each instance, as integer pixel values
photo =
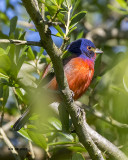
(89, 48)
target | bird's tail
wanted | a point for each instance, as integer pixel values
(22, 120)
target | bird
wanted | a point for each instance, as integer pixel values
(78, 68)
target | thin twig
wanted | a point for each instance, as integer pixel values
(100, 115)
(68, 20)
(20, 42)
(9, 144)
(31, 150)
(43, 10)
(67, 27)
(2, 116)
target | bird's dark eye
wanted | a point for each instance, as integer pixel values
(89, 48)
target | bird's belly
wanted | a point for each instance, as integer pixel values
(80, 82)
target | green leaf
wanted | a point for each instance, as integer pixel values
(30, 53)
(67, 136)
(61, 143)
(58, 28)
(13, 23)
(5, 63)
(77, 148)
(97, 64)
(77, 156)
(11, 52)
(80, 35)
(125, 82)
(3, 74)
(23, 132)
(75, 6)
(60, 16)
(120, 90)
(22, 36)
(20, 62)
(122, 3)
(39, 54)
(19, 94)
(52, 9)
(55, 123)
(72, 30)
(5, 94)
(77, 17)
(117, 9)
(37, 138)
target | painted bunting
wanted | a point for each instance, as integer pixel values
(78, 68)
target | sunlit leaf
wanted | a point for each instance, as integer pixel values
(5, 63)
(122, 3)
(61, 143)
(125, 82)
(37, 138)
(23, 132)
(58, 28)
(77, 148)
(55, 123)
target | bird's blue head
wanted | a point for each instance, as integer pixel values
(84, 48)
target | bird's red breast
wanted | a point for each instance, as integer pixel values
(79, 73)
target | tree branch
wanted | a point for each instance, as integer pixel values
(106, 145)
(101, 142)
(9, 144)
(54, 53)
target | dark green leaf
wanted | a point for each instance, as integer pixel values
(5, 94)
(77, 17)
(80, 35)
(75, 6)
(13, 23)
(97, 65)
(72, 30)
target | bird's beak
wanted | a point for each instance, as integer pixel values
(98, 51)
